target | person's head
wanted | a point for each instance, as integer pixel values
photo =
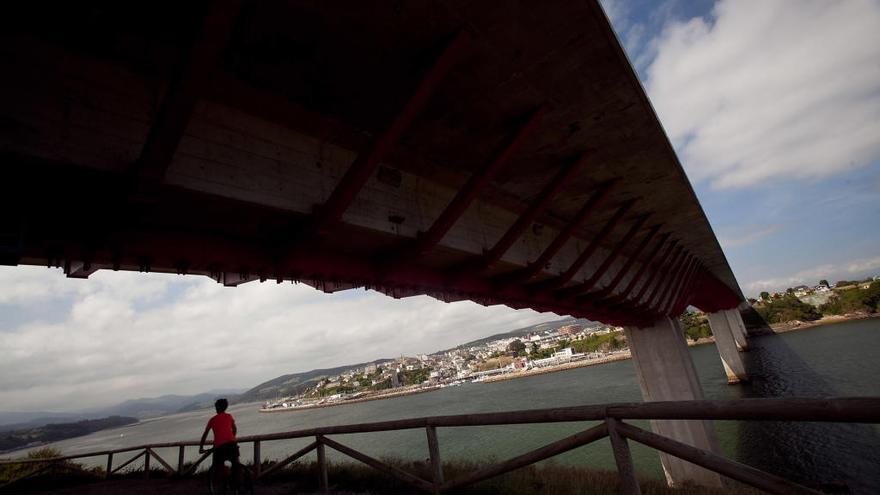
(221, 405)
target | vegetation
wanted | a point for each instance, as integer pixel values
(494, 363)
(854, 300)
(695, 325)
(846, 283)
(16, 439)
(600, 343)
(350, 477)
(787, 308)
(415, 377)
(517, 348)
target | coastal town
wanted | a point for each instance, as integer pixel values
(568, 344)
(551, 349)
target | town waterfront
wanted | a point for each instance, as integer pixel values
(830, 360)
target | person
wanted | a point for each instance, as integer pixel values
(225, 446)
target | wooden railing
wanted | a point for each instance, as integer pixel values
(612, 425)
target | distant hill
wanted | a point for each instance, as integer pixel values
(21, 438)
(14, 420)
(143, 408)
(295, 383)
(152, 407)
(522, 332)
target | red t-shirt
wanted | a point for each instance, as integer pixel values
(222, 425)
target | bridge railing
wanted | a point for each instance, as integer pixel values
(612, 424)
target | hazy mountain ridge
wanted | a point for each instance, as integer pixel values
(522, 332)
(21, 438)
(141, 408)
(294, 383)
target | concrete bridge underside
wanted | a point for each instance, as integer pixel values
(463, 150)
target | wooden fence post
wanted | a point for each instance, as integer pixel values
(257, 461)
(434, 452)
(322, 466)
(180, 460)
(629, 485)
(147, 464)
(109, 464)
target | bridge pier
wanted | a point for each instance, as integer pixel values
(739, 326)
(666, 373)
(727, 339)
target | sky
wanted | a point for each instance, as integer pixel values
(773, 107)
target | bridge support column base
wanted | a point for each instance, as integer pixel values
(666, 373)
(725, 333)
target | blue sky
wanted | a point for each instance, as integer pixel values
(774, 110)
(773, 107)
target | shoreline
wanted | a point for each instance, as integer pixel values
(390, 395)
(775, 328)
(791, 326)
(623, 356)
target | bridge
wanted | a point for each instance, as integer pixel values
(463, 150)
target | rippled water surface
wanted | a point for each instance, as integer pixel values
(823, 361)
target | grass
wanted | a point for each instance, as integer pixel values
(356, 478)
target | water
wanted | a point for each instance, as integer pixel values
(831, 360)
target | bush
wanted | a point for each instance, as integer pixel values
(854, 300)
(694, 325)
(788, 308)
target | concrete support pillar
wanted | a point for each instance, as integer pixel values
(666, 373)
(725, 340)
(739, 329)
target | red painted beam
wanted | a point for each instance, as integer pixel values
(688, 293)
(603, 268)
(669, 277)
(684, 290)
(605, 291)
(563, 237)
(186, 89)
(629, 262)
(624, 294)
(661, 268)
(330, 213)
(675, 287)
(466, 195)
(712, 295)
(594, 244)
(536, 208)
(668, 300)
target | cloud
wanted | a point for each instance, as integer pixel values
(743, 235)
(196, 335)
(771, 90)
(831, 272)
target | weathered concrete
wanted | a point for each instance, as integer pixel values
(739, 329)
(726, 335)
(666, 373)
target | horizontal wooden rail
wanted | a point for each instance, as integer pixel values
(768, 482)
(611, 416)
(545, 452)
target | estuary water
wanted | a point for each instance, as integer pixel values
(830, 360)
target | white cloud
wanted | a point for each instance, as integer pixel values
(742, 235)
(771, 90)
(197, 335)
(811, 276)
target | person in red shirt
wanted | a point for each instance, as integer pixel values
(225, 446)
